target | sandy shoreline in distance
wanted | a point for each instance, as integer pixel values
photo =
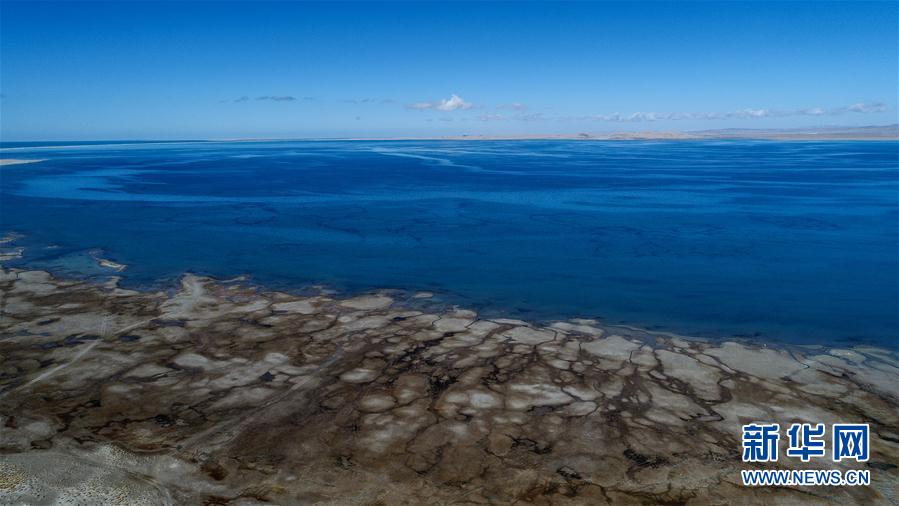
(628, 136)
(888, 134)
(17, 161)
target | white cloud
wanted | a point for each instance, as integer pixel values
(867, 108)
(753, 113)
(813, 111)
(454, 103)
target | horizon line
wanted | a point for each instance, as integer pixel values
(828, 132)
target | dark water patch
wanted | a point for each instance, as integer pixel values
(783, 241)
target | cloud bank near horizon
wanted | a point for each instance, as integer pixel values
(271, 98)
(519, 112)
(748, 113)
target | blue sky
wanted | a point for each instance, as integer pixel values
(128, 70)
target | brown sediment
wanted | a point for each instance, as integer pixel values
(224, 393)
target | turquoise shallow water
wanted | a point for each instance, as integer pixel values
(784, 241)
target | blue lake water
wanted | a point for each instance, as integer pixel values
(786, 241)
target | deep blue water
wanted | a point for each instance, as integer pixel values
(794, 241)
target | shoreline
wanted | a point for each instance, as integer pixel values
(13, 255)
(306, 397)
(110, 269)
(113, 276)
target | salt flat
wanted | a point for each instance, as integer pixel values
(219, 392)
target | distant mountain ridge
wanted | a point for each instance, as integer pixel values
(869, 132)
(862, 132)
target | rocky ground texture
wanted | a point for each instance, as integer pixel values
(220, 393)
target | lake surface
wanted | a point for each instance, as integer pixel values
(785, 241)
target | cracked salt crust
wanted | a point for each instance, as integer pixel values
(226, 393)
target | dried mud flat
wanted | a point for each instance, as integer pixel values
(219, 393)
